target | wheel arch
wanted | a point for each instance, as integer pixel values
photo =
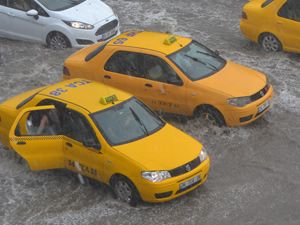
(120, 175)
(263, 33)
(206, 106)
(53, 32)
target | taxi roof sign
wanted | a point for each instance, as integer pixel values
(170, 40)
(108, 99)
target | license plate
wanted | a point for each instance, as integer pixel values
(263, 106)
(108, 34)
(189, 182)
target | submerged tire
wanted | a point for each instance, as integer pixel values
(57, 41)
(125, 190)
(210, 114)
(270, 43)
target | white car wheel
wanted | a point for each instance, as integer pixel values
(270, 43)
(57, 41)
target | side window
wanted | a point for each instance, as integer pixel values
(157, 69)
(39, 123)
(3, 2)
(290, 10)
(77, 127)
(266, 3)
(38, 8)
(23, 5)
(124, 63)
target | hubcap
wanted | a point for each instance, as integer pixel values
(209, 118)
(123, 191)
(58, 42)
(270, 43)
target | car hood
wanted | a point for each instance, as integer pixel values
(90, 11)
(166, 149)
(235, 80)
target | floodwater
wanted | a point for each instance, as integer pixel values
(255, 173)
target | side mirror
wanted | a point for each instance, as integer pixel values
(33, 13)
(176, 81)
(91, 144)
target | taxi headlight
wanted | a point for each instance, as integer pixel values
(79, 25)
(203, 155)
(239, 102)
(156, 176)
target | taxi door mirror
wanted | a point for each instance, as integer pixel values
(92, 144)
(175, 81)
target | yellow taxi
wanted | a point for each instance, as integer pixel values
(274, 24)
(177, 75)
(105, 134)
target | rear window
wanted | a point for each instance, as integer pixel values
(266, 3)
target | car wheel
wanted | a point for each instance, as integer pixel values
(270, 43)
(211, 115)
(57, 40)
(125, 191)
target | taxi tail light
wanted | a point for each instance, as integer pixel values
(66, 71)
(244, 15)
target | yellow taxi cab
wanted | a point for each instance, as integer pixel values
(105, 134)
(274, 24)
(176, 75)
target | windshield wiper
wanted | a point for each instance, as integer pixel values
(205, 53)
(205, 64)
(139, 121)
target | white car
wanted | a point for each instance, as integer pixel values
(58, 23)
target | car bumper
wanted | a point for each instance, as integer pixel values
(236, 116)
(250, 31)
(80, 38)
(170, 189)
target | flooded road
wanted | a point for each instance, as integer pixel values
(255, 173)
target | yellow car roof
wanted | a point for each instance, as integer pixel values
(88, 94)
(151, 40)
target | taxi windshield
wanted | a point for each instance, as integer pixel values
(59, 5)
(197, 62)
(127, 122)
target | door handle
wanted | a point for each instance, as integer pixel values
(21, 143)
(279, 22)
(148, 85)
(107, 77)
(69, 144)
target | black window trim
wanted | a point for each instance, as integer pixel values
(142, 77)
(90, 126)
(266, 3)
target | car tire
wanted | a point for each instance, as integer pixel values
(125, 190)
(57, 41)
(270, 43)
(210, 114)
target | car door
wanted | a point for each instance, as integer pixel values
(165, 87)
(129, 71)
(123, 70)
(38, 140)
(81, 146)
(4, 18)
(24, 26)
(288, 24)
